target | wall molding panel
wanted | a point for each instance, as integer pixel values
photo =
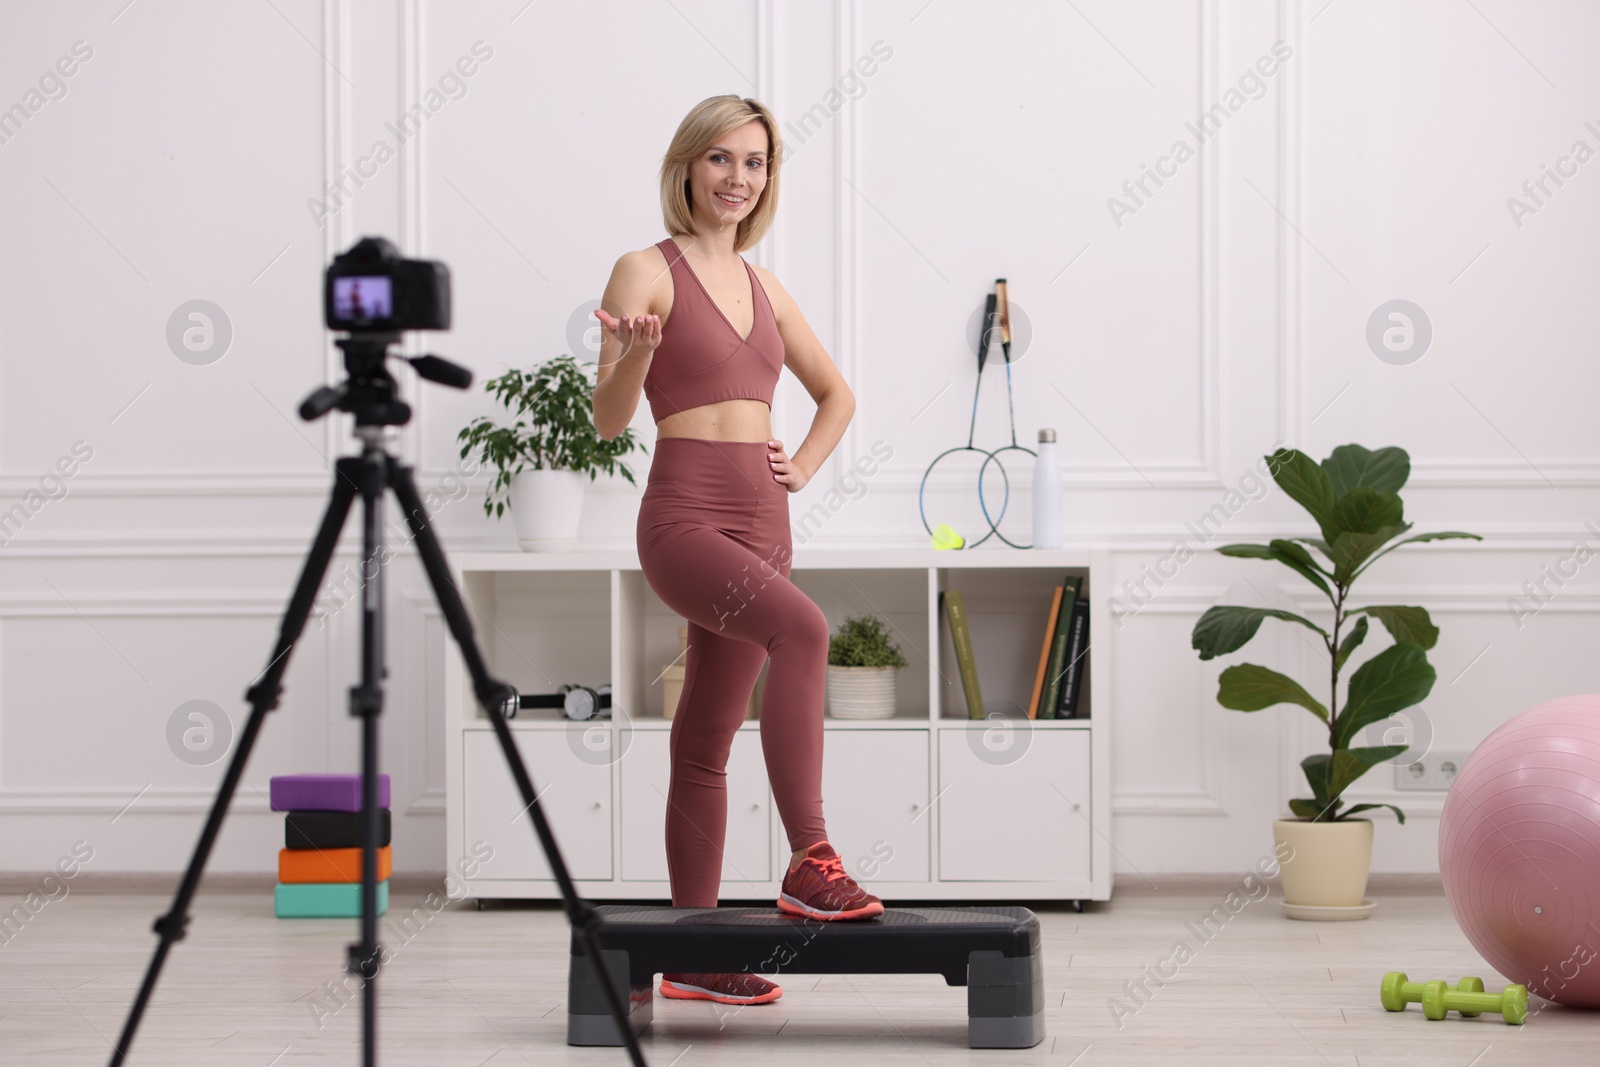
(1188, 603)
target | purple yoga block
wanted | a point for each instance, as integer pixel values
(323, 792)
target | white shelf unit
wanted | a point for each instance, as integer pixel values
(927, 805)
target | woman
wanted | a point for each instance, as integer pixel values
(704, 336)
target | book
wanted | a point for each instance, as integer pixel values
(1044, 652)
(1058, 648)
(1077, 661)
(956, 612)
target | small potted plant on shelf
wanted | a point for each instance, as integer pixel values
(540, 459)
(1354, 498)
(862, 662)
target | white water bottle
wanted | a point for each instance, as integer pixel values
(1047, 494)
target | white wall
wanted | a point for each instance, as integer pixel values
(1226, 314)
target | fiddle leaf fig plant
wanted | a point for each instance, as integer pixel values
(553, 429)
(1354, 498)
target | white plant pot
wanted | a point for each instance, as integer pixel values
(861, 692)
(546, 506)
(1328, 865)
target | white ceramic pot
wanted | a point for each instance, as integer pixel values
(861, 692)
(1324, 864)
(546, 506)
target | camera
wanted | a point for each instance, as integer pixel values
(374, 294)
(373, 289)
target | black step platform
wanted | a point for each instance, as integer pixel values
(993, 951)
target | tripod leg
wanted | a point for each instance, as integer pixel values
(491, 694)
(366, 701)
(263, 697)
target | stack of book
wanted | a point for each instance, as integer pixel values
(1058, 682)
(319, 867)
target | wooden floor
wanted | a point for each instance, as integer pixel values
(487, 988)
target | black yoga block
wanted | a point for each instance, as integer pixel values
(330, 829)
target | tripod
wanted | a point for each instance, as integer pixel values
(370, 395)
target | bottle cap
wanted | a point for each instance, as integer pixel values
(1046, 435)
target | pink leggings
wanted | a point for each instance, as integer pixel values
(713, 538)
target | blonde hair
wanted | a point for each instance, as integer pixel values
(709, 120)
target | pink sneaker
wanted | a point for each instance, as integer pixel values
(740, 988)
(819, 888)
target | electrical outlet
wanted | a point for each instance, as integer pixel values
(1434, 772)
(1446, 765)
(1411, 775)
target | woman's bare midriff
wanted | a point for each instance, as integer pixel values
(725, 420)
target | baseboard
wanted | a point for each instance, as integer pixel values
(1185, 884)
(165, 883)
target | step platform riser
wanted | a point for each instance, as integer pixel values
(1005, 983)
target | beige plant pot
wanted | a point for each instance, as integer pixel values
(1324, 864)
(861, 692)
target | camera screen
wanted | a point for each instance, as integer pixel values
(362, 297)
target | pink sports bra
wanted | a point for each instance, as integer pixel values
(701, 358)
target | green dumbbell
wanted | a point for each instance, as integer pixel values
(1467, 998)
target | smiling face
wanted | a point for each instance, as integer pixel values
(727, 179)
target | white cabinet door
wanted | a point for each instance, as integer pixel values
(875, 798)
(574, 794)
(1018, 817)
(646, 773)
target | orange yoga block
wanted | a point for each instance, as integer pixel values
(327, 864)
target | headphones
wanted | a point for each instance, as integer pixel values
(578, 702)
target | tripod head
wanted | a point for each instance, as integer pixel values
(370, 392)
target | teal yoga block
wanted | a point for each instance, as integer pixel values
(324, 900)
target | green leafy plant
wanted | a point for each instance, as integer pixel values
(554, 429)
(1354, 497)
(863, 641)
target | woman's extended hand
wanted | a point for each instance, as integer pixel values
(638, 334)
(784, 469)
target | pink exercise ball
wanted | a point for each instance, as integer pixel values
(1519, 850)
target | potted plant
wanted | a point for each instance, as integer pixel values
(540, 459)
(862, 662)
(1354, 498)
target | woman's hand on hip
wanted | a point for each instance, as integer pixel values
(639, 335)
(784, 469)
